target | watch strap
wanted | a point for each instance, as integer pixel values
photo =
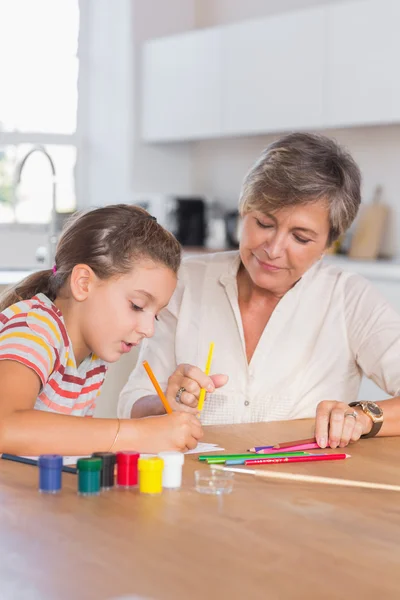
(376, 425)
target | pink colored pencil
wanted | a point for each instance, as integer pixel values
(293, 459)
(309, 446)
(294, 443)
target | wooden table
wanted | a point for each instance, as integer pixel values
(269, 540)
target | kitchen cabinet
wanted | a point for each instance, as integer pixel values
(272, 75)
(181, 93)
(363, 63)
(331, 66)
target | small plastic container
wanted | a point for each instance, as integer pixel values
(50, 473)
(150, 480)
(89, 470)
(127, 469)
(172, 473)
(213, 482)
(107, 469)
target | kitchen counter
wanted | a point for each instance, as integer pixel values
(387, 270)
(383, 270)
(11, 277)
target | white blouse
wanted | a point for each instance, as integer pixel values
(328, 329)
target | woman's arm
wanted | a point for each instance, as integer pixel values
(26, 431)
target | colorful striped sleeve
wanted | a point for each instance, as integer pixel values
(31, 339)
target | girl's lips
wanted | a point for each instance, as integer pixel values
(126, 347)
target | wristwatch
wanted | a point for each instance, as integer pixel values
(374, 412)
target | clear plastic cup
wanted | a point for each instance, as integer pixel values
(213, 482)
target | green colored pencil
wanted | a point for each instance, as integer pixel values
(220, 458)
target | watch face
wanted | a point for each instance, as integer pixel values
(374, 409)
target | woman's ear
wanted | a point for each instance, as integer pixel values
(81, 280)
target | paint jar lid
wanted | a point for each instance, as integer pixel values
(50, 461)
(172, 458)
(127, 458)
(151, 464)
(108, 458)
(89, 464)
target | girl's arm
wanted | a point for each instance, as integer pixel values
(26, 431)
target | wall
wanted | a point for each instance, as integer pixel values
(219, 165)
(114, 164)
(219, 12)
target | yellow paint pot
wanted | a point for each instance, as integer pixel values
(150, 471)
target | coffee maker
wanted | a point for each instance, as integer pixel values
(184, 216)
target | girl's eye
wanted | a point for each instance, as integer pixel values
(136, 307)
(263, 225)
(156, 318)
(301, 240)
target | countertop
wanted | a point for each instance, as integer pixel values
(386, 270)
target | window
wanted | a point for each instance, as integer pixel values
(38, 106)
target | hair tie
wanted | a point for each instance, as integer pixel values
(54, 269)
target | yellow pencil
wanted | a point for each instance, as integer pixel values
(157, 387)
(207, 372)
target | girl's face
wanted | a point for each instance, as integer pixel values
(277, 249)
(120, 312)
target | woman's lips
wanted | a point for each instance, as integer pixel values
(268, 266)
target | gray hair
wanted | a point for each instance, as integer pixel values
(303, 168)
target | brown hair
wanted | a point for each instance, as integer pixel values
(302, 168)
(109, 240)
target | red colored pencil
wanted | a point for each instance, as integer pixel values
(295, 443)
(293, 459)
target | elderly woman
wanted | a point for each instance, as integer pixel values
(293, 333)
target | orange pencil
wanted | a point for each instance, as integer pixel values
(159, 391)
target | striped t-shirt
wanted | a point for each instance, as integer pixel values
(32, 332)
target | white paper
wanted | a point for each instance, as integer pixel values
(202, 448)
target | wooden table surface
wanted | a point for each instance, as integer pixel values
(268, 539)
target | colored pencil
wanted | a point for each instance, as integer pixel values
(159, 391)
(207, 372)
(210, 457)
(256, 459)
(301, 478)
(293, 459)
(258, 448)
(33, 462)
(309, 446)
(294, 443)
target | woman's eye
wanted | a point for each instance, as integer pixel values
(301, 240)
(263, 225)
(156, 318)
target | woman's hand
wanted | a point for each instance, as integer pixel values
(184, 387)
(337, 424)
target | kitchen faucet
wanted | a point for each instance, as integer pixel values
(52, 240)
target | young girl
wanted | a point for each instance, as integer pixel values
(115, 269)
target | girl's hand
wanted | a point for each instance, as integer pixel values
(337, 424)
(177, 431)
(184, 387)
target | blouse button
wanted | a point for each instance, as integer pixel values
(246, 403)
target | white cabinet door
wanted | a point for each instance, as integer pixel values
(181, 97)
(363, 64)
(272, 73)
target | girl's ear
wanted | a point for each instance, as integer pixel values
(81, 280)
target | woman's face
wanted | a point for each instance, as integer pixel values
(277, 249)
